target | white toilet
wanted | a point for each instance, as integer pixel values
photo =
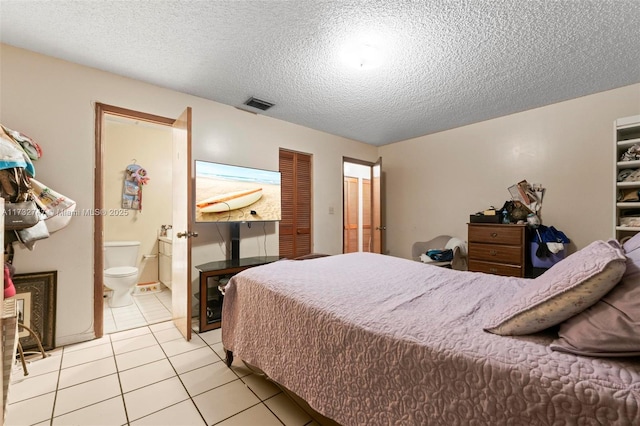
(120, 270)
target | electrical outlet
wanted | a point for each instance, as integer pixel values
(331, 210)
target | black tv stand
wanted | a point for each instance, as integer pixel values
(235, 242)
(213, 274)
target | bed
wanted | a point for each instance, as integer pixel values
(373, 339)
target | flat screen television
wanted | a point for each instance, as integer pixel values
(227, 193)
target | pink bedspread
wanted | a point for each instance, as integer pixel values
(373, 339)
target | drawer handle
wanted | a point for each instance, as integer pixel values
(493, 270)
(493, 252)
(494, 234)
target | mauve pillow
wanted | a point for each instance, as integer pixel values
(611, 327)
(568, 288)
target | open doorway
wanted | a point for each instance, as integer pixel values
(181, 213)
(357, 208)
(137, 217)
(362, 224)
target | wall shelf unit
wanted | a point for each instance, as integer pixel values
(626, 134)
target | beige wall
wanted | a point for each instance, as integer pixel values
(53, 101)
(568, 147)
(151, 147)
(432, 183)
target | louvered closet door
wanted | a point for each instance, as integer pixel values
(295, 226)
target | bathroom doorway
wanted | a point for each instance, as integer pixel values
(131, 143)
(181, 204)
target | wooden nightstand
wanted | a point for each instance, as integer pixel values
(498, 249)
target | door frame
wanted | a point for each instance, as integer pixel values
(376, 228)
(98, 201)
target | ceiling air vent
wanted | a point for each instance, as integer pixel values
(258, 103)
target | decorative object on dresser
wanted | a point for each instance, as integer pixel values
(498, 249)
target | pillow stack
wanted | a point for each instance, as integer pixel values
(611, 327)
(593, 294)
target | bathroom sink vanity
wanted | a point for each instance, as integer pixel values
(164, 261)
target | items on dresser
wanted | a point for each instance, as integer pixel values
(498, 249)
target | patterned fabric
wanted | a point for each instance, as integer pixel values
(373, 339)
(568, 288)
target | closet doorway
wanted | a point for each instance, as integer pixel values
(161, 146)
(362, 206)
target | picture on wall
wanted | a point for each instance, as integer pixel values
(36, 300)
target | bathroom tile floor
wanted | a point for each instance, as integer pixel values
(147, 309)
(146, 376)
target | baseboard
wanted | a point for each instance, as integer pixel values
(75, 338)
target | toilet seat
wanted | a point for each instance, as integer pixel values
(121, 271)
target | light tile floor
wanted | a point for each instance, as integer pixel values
(147, 309)
(146, 376)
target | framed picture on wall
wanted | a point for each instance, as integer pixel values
(36, 299)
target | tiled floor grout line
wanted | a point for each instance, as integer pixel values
(246, 409)
(190, 398)
(87, 381)
(115, 361)
(55, 395)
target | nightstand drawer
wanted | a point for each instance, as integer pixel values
(496, 253)
(504, 234)
(495, 268)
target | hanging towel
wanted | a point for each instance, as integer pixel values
(135, 177)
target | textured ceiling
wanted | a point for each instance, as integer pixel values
(443, 64)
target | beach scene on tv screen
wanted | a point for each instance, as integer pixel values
(226, 193)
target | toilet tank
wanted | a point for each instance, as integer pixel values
(120, 253)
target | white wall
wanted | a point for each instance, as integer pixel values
(53, 101)
(435, 182)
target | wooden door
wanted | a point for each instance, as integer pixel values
(367, 216)
(295, 226)
(351, 214)
(182, 225)
(376, 206)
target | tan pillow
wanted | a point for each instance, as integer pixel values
(568, 288)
